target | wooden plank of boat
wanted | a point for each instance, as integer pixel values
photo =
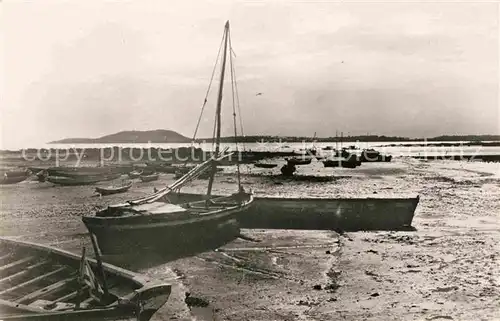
(25, 271)
(46, 290)
(15, 264)
(51, 290)
(34, 280)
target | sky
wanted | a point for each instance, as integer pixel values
(92, 68)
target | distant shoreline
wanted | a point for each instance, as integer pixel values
(162, 136)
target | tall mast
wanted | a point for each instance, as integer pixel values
(218, 109)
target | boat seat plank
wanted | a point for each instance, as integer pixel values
(156, 208)
(25, 271)
(34, 280)
(6, 256)
(46, 290)
(15, 263)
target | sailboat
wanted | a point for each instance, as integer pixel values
(152, 222)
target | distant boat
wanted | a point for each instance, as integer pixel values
(81, 171)
(108, 190)
(265, 165)
(5, 180)
(44, 283)
(14, 176)
(149, 178)
(150, 223)
(342, 158)
(135, 174)
(372, 155)
(298, 161)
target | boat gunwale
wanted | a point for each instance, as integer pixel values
(195, 217)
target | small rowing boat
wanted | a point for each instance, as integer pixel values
(135, 174)
(81, 180)
(149, 178)
(108, 190)
(39, 282)
(6, 179)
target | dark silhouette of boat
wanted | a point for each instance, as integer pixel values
(372, 155)
(298, 160)
(342, 158)
(14, 177)
(80, 179)
(44, 283)
(265, 165)
(357, 213)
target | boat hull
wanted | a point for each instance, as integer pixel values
(12, 180)
(153, 234)
(36, 279)
(348, 214)
(112, 190)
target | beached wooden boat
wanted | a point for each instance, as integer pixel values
(14, 176)
(149, 223)
(6, 179)
(108, 190)
(82, 171)
(80, 180)
(345, 213)
(340, 162)
(44, 283)
(135, 174)
(149, 178)
(265, 165)
(372, 155)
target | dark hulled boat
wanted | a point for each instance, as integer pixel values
(265, 165)
(44, 283)
(372, 155)
(13, 177)
(108, 190)
(80, 179)
(345, 213)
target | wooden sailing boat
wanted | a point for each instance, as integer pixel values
(154, 223)
(38, 282)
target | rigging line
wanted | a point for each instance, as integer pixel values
(233, 87)
(239, 109)
(208, 89)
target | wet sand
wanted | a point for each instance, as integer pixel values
(448, 269)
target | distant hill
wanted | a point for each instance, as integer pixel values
(170, 136)
(130, 136)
